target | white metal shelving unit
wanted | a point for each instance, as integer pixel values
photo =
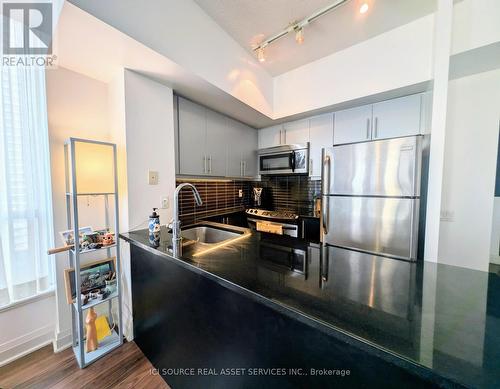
(77, 308)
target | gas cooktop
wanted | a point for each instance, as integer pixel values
(262, 213)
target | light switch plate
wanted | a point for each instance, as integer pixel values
(152, 177)
(164, 202)
(447, 216)
(240, 193)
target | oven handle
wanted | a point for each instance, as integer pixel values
(292, 160)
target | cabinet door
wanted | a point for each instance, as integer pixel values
(216, 150)
(320, 135)
(397, 117)
(296, 132)
(192, 138)
(249, 151)
(352, 125)
(270, 136)
(234, 148)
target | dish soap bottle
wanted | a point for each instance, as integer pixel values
(154, 228)
(154, 221)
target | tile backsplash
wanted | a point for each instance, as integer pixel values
(219, 197)
(292, 193)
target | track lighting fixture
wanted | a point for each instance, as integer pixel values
(298, 28)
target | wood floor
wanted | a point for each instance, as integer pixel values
(125, 367)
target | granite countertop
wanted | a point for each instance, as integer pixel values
(441, 317)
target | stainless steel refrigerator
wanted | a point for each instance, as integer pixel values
(371, 196)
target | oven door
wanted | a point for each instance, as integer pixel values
(285, 162)
(286, 258)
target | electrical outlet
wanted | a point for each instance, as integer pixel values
(240, 193)
(152, 177)
(164, 202)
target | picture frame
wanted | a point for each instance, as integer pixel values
(92, 277)
(67, 236)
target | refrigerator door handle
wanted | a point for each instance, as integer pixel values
(325, 202)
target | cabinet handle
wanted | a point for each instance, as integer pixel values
(204, 164)
(241, 168)
(284, 136)
(367, 128)
(376, 127)
(244, 168)
(210, 164)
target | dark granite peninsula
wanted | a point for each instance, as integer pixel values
(308, 315)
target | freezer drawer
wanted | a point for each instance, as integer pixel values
(368, 280)
(386, 226)
(381, 168)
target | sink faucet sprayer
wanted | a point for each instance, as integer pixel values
(176, 224)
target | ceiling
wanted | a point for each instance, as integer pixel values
(251, 21)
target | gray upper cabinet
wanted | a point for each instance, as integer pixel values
(249, 153)
(242, 153)
(271, 136)
(320, 135)
(234, 149)
(352, 125)
(296, 132)
(211, 144)
(397, 117)
(192, 138)
(216, 144)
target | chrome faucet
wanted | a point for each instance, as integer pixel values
(176, 224)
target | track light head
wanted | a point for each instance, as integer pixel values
(260, 54)
(299, 35)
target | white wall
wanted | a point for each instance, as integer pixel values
(142, 126)
(77, 107)
(469, 170)
(27, 327)
(150, 146)
(184, 33)
(395, 59)
(475, 24)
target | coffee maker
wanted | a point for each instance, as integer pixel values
(257, 197)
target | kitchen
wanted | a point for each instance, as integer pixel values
(289, 194)
(288, 159)
(340, 245)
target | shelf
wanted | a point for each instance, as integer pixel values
(92, 250)
(106, 345)
(91, 194)
(93, 303)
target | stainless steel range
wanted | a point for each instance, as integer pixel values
(274, 222)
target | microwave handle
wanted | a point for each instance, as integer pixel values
(292, 161)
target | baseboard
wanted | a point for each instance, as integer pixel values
(495, 260)
(25, 344)
(63, 340)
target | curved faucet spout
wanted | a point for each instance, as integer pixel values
(176, 225)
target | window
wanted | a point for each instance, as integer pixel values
(26, 228)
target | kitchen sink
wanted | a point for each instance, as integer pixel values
(212, 233)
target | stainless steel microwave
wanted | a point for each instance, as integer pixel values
(286, 159)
